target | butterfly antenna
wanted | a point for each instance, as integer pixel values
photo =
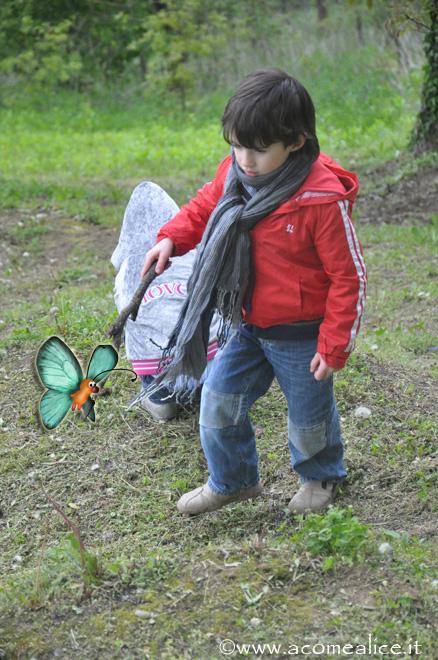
(107, 371)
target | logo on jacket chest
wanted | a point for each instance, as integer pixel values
(290, 228)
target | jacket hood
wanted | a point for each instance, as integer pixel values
(327, 182)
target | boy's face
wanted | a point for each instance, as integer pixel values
(256, 162)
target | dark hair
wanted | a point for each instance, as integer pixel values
(270, 106)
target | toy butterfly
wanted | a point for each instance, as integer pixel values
(60, 372)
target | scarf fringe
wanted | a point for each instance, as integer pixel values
(185, 389)
(227, 302)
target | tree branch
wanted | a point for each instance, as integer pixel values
(131, 310)
(417, 22)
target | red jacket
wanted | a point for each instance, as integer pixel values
(307, 259)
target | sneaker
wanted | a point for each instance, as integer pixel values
(203, 499)
(312, 496)
(161, 405)
(161, 411)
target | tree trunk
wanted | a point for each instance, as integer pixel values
(359, 28)
(425, 134)
(142, 65)
(322, 10)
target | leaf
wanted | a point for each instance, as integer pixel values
(74, 542)
(328, 563)
(391, 533)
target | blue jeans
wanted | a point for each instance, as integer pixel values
(242, 373)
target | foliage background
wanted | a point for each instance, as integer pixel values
(110, 91)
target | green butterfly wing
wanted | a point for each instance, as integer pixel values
(58, 367)
(53, 407)
(102, 361)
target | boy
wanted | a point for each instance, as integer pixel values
(278, 248)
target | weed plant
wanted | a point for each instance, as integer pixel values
(60, 567)
(337, 536)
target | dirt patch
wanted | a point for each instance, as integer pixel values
(392, 455)
(36, 246)
(413, 198)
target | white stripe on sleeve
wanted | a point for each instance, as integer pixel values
(359, 264)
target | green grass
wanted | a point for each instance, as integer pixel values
(401, 289)
(83, 154)
(81, 319)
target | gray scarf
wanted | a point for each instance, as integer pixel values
(221, 274)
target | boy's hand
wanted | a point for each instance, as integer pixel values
(159, 253)
(320, 368)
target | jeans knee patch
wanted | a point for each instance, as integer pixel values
(309, 441)
(219, 410)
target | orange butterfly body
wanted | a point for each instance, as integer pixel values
(81, 396)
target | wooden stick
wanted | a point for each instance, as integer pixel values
(116, 330)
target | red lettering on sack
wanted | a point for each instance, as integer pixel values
(181, 288)
(168, 289)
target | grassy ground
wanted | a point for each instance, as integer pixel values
(155, 584)
(148, 583)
